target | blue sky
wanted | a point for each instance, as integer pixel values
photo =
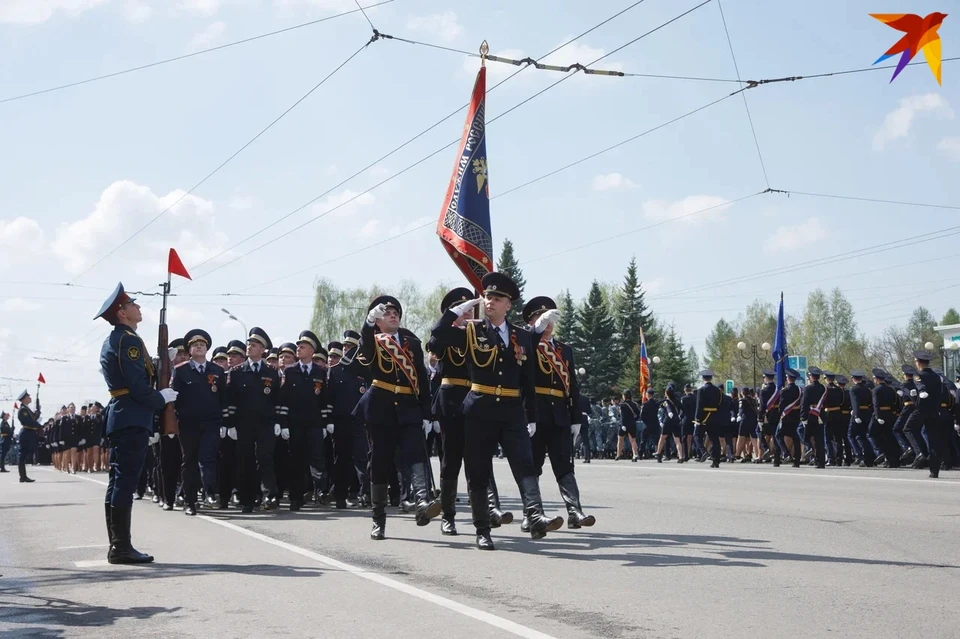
(82, 168)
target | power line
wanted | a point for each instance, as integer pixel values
(746, 106)
(228, 160)
(188, 55)
(366, 17)
(398, 148)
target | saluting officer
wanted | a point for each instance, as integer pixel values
(814, 395)
(558, 410)
(252, 391)
(502, 398)
(709, 398)
(129, 374)
(395, 408)
(201, 408)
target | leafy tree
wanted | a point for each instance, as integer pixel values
(594, 332)
(508, 265)
(950, 317)
(920, 326)
(721, 347)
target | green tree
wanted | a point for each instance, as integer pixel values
(721, 349)
(920, 327)
(673, 366)
(950, 317)
(755, 326)
(565, 328)
(594, 332)
(693, 365)
(630, 309)
(508, 265)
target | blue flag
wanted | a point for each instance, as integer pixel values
(779, 356)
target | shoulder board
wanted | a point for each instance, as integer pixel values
(181, 364)
(408, 334)
(236, 368)
(131, 333)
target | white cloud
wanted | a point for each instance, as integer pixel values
(324, 5)
(203, 7)
(654, 286)
(137, 10)
(14, 304)
(345, 200)
(444, 25)
(691, 209)
(611, 181)
(788, 238)
(37, 11)
(123, 208)
(897, 123)
(244, 203)
(22, 238)
(950, 146)
(378, 171)
(369, 230)
(208, 36)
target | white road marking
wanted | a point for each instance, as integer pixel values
(512, 627)
(90, 546)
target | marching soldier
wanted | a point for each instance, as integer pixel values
(790, 397)
(345, 388)
(709, 398)
(252, 391)
(170, 456)
(912, 420)
(834, 424)
(201, 407)
(907, 408)
(395, 408)
(929, 403)
(227, 466)
(811, 405)
(861, 402)
(6, 438)
(302, 409)
(688, 412)
(502, 398)
(129, 373)
(880, 431)
(30, 428)
(769, 415)
(846, 410)
(558, 409)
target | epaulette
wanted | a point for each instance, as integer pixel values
(131, 333)
(181, 364)
(407, 333)
(235, 368)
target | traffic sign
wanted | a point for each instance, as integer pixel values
(729, 386)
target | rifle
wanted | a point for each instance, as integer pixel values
(168, 416)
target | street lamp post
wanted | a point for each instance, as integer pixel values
(948, 356)
(754, 356)
(237, 320)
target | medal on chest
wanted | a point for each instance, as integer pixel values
(317, 386)
(212, 380)
(267, 383)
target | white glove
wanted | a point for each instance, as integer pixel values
(880, 421)
(547, 318)
(461, 309)
(169, 395)
(285, 433)
(232, 433)
(324, 432)
(376, 313)
(924, 395)
(154, 438)
(427, 427)
(669, 414)
(531, 428)
(330, 428)
(696, 423)
(82, 442)
(63, 443)
(436, 427)
(575, 431)
(804, 423)
(733, 419)
(858, 420)
(900, 393)
(913, 392)
(276, 430)
(223, 432)
(171, 353)
(171, 435)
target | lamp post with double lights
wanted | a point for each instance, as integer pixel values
(948, 358)
(754, 355)
(238, 321)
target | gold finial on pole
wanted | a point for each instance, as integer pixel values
(484, 50)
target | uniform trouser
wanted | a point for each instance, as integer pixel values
(435, 440)
(837, 438)
(226, 470)
(480, 443)
(298, 457)
(199, 445)
(128, 449)
(715, 448)
(170, 463)
(937, 434)
(145, 472)
(4, 449)
(586, 440)
(881, 438)
(913, 431)
(899, 429)
(361, 453)
(255, 444)
(789, 428)
(389, 443)
(345, 467)
(27, 449)
(558, 442)
(814, 431)
(281, 461)
(452, 443)
(316, 444)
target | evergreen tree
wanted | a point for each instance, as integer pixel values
(565, 329)
(950, 317)
(693, 365)
(673, 366)
(594, 333)
(632, 313)
(507, 264)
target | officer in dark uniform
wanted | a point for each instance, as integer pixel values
(252, 389)
(395, 408)
(907, 408)
(219, 357)
(6, 438)
(129, 375)
(846, 410)
(811, 404)
(912, 421)
(708, 403)
(790, 398)
(558, 409)
(688, 411)
(344, 390)
(769, 415)
(273, 358)
(170, 456)
(834, 423)
(303, 410)
(227, 466)
(347, 386)
(201, 408)
(929, 399)
(880, 431)
(502, 399)
(861, 402)
(30, 428)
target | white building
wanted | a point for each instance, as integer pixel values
(949, 349)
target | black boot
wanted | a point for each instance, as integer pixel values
(427, 508)
(378, 497)
(121, 550)
(533, 509)
(481, 518)
(497, 516)
(570, 493)
(448, 505)
(107, 510)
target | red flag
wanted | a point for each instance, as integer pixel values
(175, 265)
(15, 406)
(41, 379)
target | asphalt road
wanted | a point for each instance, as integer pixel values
(678, 551)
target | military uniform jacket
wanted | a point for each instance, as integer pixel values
(768, 415)
(6, 430)
(845, 406)
(30, 427)
(861, 401)
(304, 400)
(812, 394)
(556, 386)
(708, 401)
(884, 403)
(725, 411)
(929, 382)
(393, 364)
(252, 397)
(202, 399)
(688, 409)
(344, 390)
(452, 367)
(129, 374)
(833, 403)
(790, 404)
(648, 413)
(492, 367)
